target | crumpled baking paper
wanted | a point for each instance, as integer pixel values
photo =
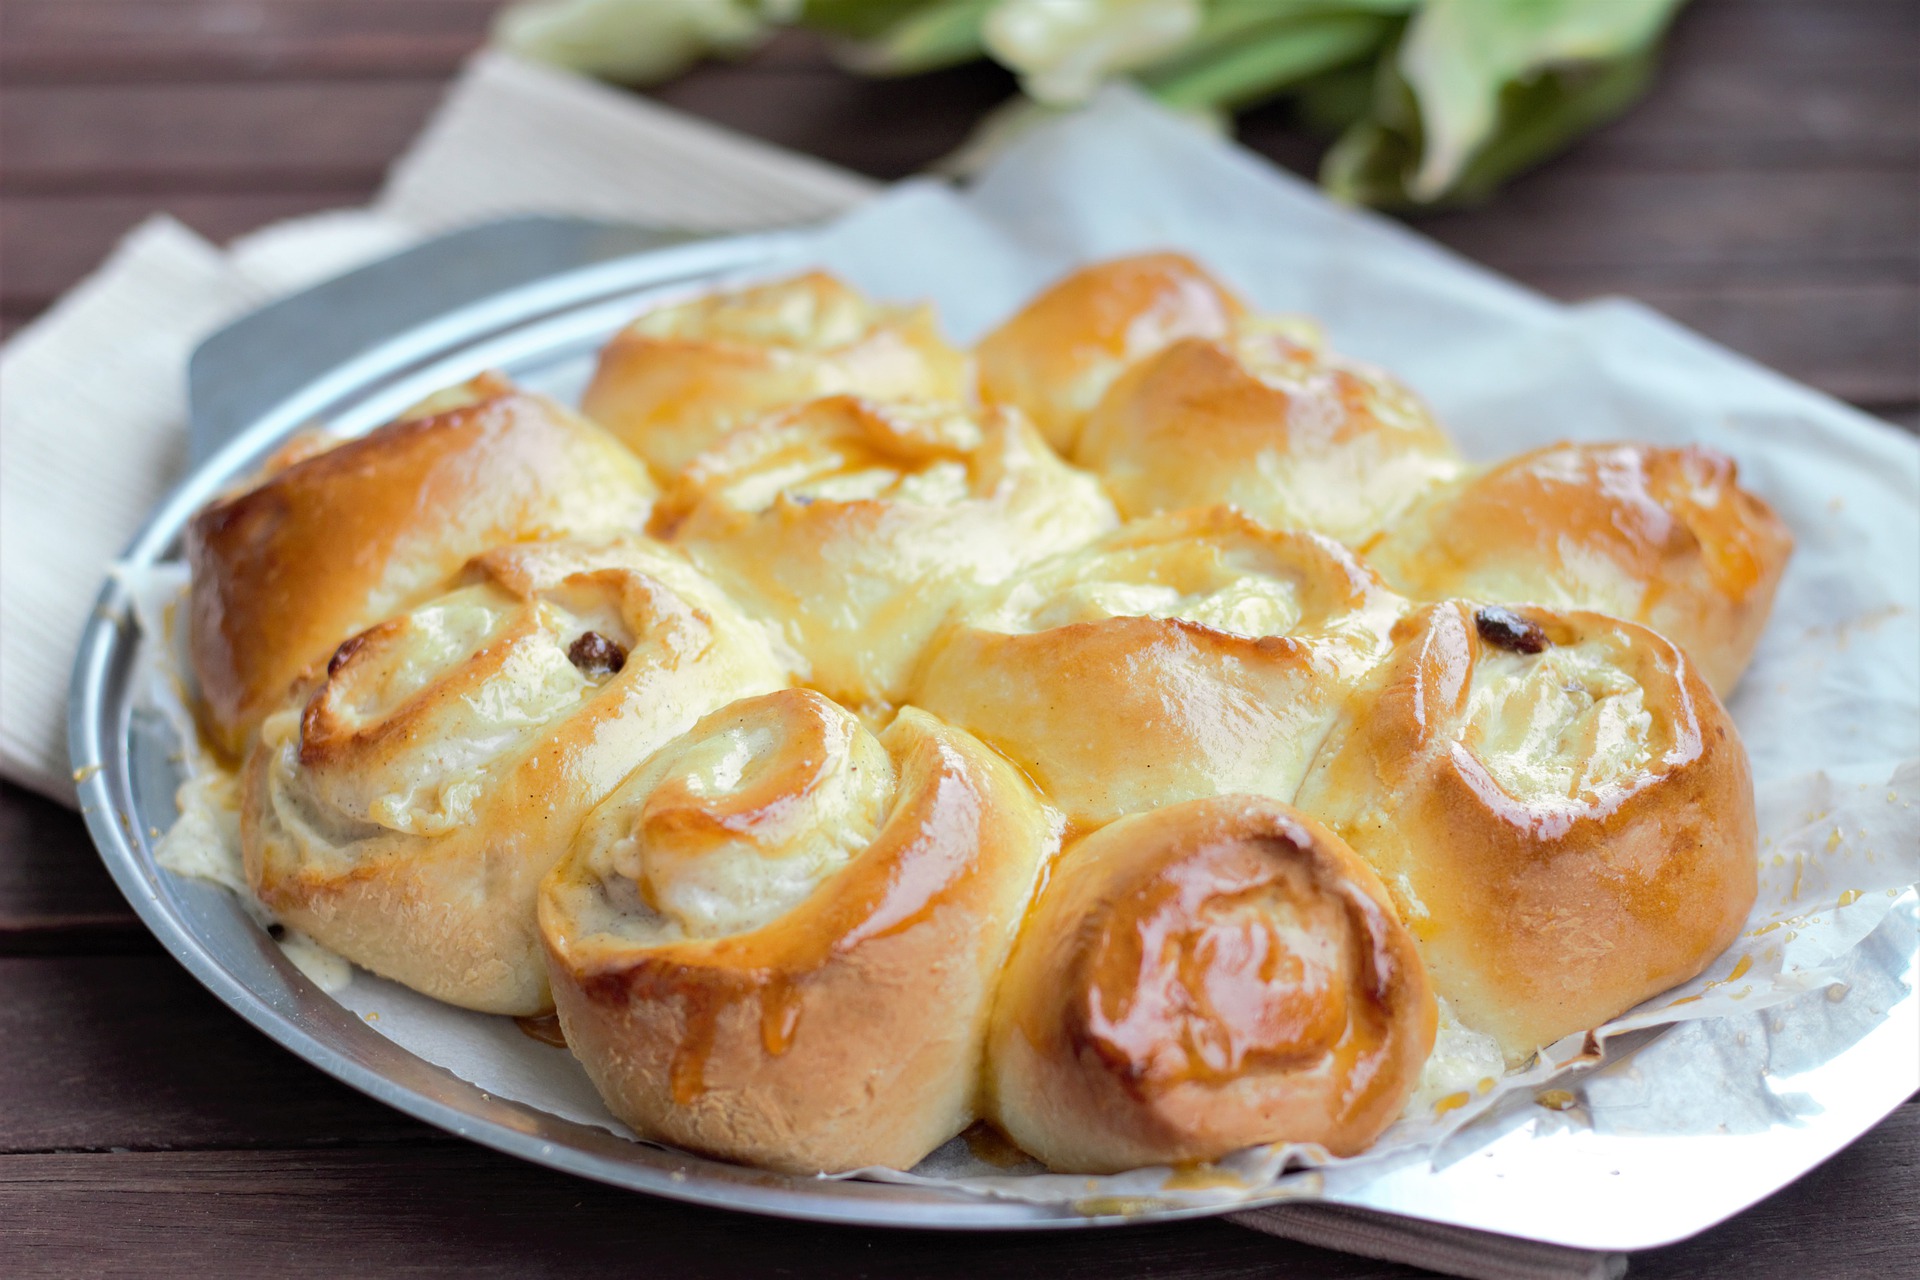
(1830, 710)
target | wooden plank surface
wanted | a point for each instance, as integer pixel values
(54, 894)
(458, 1209)
(1767, 192)
(108, 1053)
(1764, 192)
(162, 138)
(116, 41)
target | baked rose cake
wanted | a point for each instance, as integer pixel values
(1139, 732)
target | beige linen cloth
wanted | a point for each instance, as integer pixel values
(93, 416)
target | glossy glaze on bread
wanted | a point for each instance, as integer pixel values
(1202, 977)
(855, 526)
(404, 813)
(335, 542)
(1058, 355)
(1123, 745)
(842, 1024)
(1559, 806)
(677, 378)
(1188, 655)
(1664, 537)
(1268, 420)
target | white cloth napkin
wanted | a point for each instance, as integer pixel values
(92, 414)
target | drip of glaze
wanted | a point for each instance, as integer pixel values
(779, 1014)
(689, 1072)
(545, 1028)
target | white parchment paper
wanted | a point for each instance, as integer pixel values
(1830, 710)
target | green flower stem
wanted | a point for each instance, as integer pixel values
(1270, 59)
(941, 34)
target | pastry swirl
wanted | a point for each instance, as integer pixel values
(778, 940)
(1268, 420)
(404, 813)
(1198, 979)
(1557, 802)
(336, 541)
(1186, 655)
(1664, 537)
(520, 730)
(1057, 356)
(677, 378)
(856, 526)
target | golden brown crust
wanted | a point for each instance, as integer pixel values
(1267, 421)
(1057, 355)
(856, 527)
(1663, 537)
(1202, 978)
(332, 542)
(403, 817)
(679, 377)
(1559, 805)
(844, 1031)
(1187, 655)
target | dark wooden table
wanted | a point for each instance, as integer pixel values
(1767, 193)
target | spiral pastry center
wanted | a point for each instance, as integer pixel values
(848, 449)
(1564, 722)
(742, 822)
(1219, 966)
(1194, 582)
(416, 712)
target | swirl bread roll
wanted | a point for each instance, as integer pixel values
(404, 815)
(338, 540)
(676, 379)
(1202, 978)
(1267, 420)
(1559, 806)
(1056, 357)
(778, 940)
(1181, 656)
(1664, 537)
(855, 526)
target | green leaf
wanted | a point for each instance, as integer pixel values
(1541, 118)
(1333, 101)
(1460, 57)
(856, 19)
(932, 36)
(1267, 59)
(1370, 161)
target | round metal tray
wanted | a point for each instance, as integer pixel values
(1534, 1180)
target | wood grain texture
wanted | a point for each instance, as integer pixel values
(67, 41)
(1764, 192)
(49, 242)
(103, 1053)
(164, 138)
(54, 894)
(458, 1209)
(1858, 342)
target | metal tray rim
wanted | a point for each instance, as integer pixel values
(99, 739)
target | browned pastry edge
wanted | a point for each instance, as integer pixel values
(1665, 537)
(1543, 915)
(441, 897)
(1202, 978)
(1057, 355)
(322, 548)
(848, 1032)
